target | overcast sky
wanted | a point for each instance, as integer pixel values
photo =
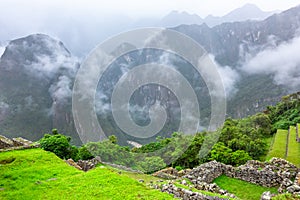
(81, 24)
(137, 8)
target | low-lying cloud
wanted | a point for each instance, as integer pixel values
(229, 77)
(283, 62)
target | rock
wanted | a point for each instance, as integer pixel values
(297, 188)
(89, 164)
(291, 189)
(266, 195)
(164, 175)
(5, 142)
(167, 173)
(71, 162)
(21, 142)
(141, 181)
(183, 182)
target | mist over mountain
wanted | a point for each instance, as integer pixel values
(36, 78)
(257, 60)
(84, 30)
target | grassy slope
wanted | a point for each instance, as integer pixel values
(293, 154)
(27, 177)
(279, 145)
(242, 189)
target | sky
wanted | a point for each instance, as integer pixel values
(81, 24)
(137, 8)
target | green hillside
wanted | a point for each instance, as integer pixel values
(278, 148)
(37, 174)
(286, 146)
(293, 154)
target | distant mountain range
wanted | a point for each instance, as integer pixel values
(82, 33)
(258, 59)
(246, 12)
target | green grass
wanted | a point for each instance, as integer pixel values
(293, 154)
(278, 148)
(27, 174)
(242, 189)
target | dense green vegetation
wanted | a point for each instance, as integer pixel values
(60, 145)
(278, 148)
(239, 140)
(286, 113)
(242, 189)
(37, 174)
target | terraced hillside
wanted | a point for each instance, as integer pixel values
(286, 145)
(293, 153)
(278, 148)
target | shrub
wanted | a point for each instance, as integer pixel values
(59, 144)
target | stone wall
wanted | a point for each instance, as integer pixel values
(7, 144)
(268, 174)
(186, 194)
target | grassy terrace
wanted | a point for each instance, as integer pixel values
(293, 154)
(242, 189)
(278, 149)
(37, 174)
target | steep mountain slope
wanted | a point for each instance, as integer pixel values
(36, 75)
(235, 44)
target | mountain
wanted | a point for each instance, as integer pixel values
(246, 12)
(176, 18)
(257, 58)
(247, 47)
(36, 78)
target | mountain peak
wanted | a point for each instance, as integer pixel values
(33, 46)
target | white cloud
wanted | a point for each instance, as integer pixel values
(229, 77)
(283, 62)
(2, 49)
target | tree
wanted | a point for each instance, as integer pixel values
(59, 144)
(113, 139)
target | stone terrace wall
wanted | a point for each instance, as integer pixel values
(268, 174)
(7, 144)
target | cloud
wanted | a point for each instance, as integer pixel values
(101, 103)
(2, 49)
(283, 62)
(229, 77)
(61, 90)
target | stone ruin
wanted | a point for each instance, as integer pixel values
(275, 173)
(7, 144)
